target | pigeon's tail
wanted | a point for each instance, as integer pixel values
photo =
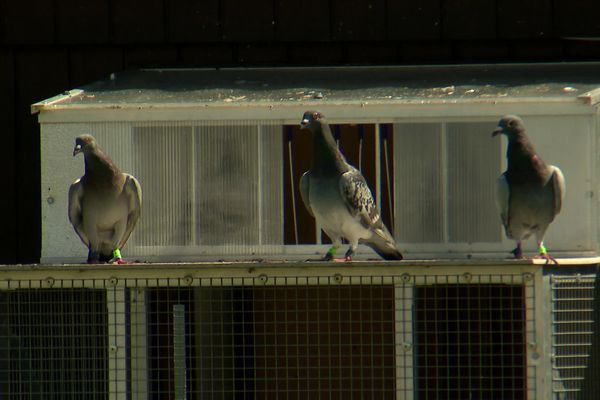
(383, 244)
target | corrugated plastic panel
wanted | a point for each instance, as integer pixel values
(419, 186)
(208, 188)
(473, 169)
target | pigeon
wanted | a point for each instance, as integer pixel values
(530, 192)
(338, 197)
(104, 204)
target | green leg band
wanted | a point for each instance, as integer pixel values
(332, 250)
(542, 249)
(117, 253)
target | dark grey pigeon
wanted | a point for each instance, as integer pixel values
(530, 192)
(104, 204)
(337, 195)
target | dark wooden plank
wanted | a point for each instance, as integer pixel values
(362, 20)
(426, 52)
(82, 22)
(484, 51)
(538, 50)
(137, 21)
(576, 18)
(524, 19)
(247, 22)
(302, 20)
(316, 54)
(192, 20)
(8, 160)
(371, 53)
(585, 50)
(206, 55)
(29, 22)
(413, 20)
(34, 84)
(147, 56)
(91, 64)
(261, 54)
(468, 19)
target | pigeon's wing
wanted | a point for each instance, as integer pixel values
(502, 198)
(558, 184)
(133, 193)
(358, 198)
(76, 210)
(305, 190)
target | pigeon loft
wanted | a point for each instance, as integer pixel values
(219, 154)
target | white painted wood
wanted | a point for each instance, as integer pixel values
(117, 352)
(138, 320)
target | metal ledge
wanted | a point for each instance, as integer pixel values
(276, 272)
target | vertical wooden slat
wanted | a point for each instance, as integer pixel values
(469, 19)
(191, 21)
(414, 20)
(8, 160)
(137, 21)
(33, 83)
(363, 20)
(246, 24)
(292, 20)
(29, 22)
(80, 22)
(524, 19)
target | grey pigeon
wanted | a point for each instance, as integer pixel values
(337, 195)
(104, 204)
(530, 192)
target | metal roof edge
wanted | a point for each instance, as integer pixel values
(358, 67)
(37, 107)
(590, 98)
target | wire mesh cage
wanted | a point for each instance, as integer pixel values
(572, 321)
(293, 336)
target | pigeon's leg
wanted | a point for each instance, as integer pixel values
(543, 253)
(518, 251)
(349, 253)
(93, 257)
(330, 255)
(337, 242)
(117, 259)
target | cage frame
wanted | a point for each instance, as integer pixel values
(117, 280)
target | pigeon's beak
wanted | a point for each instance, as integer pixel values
(77, 150)
(303, 123)
(497, 131)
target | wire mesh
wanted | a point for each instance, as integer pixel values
(572, 323)
(287, 337)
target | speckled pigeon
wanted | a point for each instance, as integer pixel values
(530, 193)
(337, 195)
(104, 204)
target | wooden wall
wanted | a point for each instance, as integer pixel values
(48, 46)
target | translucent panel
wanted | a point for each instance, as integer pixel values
(271, 186)
(165, 161)
(473, 169)
(227, 189)
(419, 183)
(208, 188)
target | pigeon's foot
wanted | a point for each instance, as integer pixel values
(518, 252)
(330, 255)
(341, 260)
(543, 254)
(547, 257)
(119, 261)
(93, 257)
(327, 257)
